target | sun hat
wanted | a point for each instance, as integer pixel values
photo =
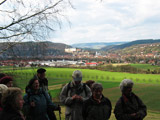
(3, 88)
(77, 75)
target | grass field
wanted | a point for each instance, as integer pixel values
(147, 86)
(145, 66)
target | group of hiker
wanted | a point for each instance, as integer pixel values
(83, 101)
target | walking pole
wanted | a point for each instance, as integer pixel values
(59, 112)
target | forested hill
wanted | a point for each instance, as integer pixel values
(33, 49)
(137, 42)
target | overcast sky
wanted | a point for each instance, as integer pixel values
(110, 21)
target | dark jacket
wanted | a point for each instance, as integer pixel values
(97, 111)
(42, 102)
(10, 115)
(127, 106)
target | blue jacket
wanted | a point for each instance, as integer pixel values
(42, 102)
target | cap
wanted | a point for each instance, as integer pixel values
(5, 80)
(41, 70)
(77, 75)
(3, 88)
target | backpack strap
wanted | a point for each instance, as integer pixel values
(69, 87)
(84, 88)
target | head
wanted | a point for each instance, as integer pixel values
(12, 99)
(3, 88)
(77, 77)
(34, 84)
(89, 83)
(97, 90)
(2, 75)
(126, 87)
(41, 73)
(7, 80)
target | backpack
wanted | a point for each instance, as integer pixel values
(77, 92)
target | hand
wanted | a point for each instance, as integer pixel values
(133, 114)
(79, 98)
(75, 97)
(32, 104)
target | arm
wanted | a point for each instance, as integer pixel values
(50, 104)
(142, 112)
(64, 98)
(110, 108)
(119, 112)
(89, 93)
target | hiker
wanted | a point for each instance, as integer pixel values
(3, 88)
(7, 80)
(12, 102)
(73, 95)
(37, 101)
(89, 83)
(97, 107)
(129, 106)
(43, 83)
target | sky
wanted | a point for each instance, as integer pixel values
(110, 21)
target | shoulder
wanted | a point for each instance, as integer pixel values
(119, 101)
(88, 101)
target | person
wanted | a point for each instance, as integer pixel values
(12, 103)
(3, 88)
(43, 82)
(97, 107)
(89, 83)
(7, 80)
(73, 95)
(37, 101)
(129, 106)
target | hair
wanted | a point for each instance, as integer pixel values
(29, 86)
(89, 83)
(96, 86)
(5, 79)
(9, 98)
(2, 75)
(126, 83)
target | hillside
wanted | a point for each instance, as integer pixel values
(33, 49)
(125, 45)
(141, 49)
(96, 45)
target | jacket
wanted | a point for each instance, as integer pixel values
(125, 107)
(42, 102)
(97, 111)
(74, 107)
(10, 115)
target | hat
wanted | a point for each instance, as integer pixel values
(3, 88)
(77, 75)
(41, 70)
(5, 80)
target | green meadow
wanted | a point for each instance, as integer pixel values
(145, 66)
(147, 86)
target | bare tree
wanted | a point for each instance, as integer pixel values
(22, 20)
